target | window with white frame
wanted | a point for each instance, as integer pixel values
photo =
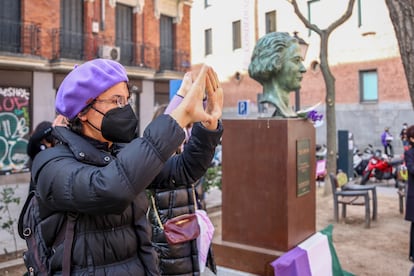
(368, 85)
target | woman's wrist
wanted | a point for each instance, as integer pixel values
(212, 125)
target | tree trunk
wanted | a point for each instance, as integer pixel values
(402, 17)
(330, 108)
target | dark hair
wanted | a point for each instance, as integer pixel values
(410, 134)
(46, 128)
(159, 111)
(75, 124)
(42, 131)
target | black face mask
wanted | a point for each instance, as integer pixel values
(118, 124)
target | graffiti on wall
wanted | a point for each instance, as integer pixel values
(14, 129)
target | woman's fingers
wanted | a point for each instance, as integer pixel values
(214, 99)
(60, 120)
(199, 83)
(209, 86)
(214, 93)
(213, 79)
(192, 103)
(185, 85)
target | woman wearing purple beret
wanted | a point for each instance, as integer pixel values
(99, 169)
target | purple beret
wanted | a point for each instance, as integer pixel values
(85, 83)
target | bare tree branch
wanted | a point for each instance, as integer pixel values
(306, 22)
(343, 18)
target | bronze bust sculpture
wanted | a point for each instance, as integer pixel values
(277, 65)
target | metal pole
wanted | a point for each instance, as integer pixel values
(297, 99)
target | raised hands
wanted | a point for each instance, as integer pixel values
(191, 108)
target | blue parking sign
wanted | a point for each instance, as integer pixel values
(243, 108)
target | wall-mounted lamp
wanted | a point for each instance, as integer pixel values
(314, 66)
(237, 76)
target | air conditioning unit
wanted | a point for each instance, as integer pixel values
(110, 52)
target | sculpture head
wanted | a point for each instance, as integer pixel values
(276, 63)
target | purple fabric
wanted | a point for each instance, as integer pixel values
(292, 263)
(175, 101)
(86, 82)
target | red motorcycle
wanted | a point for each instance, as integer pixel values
(381, 167)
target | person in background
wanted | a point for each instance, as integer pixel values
(409, 213)
(100, 170)
(159, 111)
(386, 140)
(40, 139)
(403, 136)
(177, 259)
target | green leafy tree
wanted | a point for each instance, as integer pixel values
(212, 178)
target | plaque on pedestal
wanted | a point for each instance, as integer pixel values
(268, 191)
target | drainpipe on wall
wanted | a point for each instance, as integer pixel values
(102, 15)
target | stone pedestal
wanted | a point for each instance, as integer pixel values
(268, 191)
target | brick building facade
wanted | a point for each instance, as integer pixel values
(41, 41)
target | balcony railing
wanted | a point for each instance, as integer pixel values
(86, 46)
(27, 38)
(18, 37)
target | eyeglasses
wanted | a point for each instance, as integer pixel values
(116, 100)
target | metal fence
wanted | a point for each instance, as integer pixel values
(28, 38)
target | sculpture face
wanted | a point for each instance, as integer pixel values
(290, 75)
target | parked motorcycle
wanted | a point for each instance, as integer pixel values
(361, 159)
(382, 168)
(320, 153)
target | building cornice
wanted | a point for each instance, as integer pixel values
(66, 65)
(173, 8)
(168, 75)
(24, 62)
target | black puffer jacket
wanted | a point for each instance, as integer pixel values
(107, 190)
(179, 259)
